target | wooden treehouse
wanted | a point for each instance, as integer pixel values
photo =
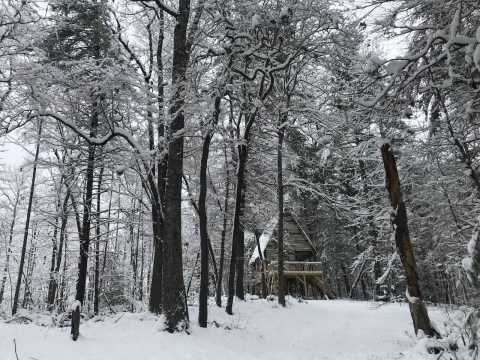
(304, 276)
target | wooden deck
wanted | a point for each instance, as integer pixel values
(308, 274)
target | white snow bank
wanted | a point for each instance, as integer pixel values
(327, 330)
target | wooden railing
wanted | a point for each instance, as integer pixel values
(297, 267)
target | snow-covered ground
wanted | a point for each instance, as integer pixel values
(313, 330)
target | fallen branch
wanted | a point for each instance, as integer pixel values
(15, 348)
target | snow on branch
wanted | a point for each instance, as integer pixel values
(381, 279)
(162, 6)
(99, 141)
(471, 263)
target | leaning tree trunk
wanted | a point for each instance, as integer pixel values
(418, 310)
(174, 296)
(27, 223)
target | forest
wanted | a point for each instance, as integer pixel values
(223, 169)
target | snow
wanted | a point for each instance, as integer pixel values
(476, 57)
(384, 276)
(324, 330)
(75, 305)
(411, 299)
(467, 264)
(325, 155)
(285, 12)
(472, 244)
(256, 21)
(264, 239)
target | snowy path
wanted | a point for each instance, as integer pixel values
(323, 330)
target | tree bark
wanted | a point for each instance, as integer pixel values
(174, 296)
(8, 248)
(202, 213)
(242, 159)
(418, 310)
(96, 298)
(53, 284)
(84, 236)
(218, 294)
(87, 209)
(32, 255)
(155, 299)
(27, 222)
(281, 277)
(50, 301)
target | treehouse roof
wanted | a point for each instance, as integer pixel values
(296, 238)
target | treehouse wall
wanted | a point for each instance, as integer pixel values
(297, 246)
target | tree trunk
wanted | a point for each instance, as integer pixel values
(174, 297)
(96, 296)
(346, 280)
(50, 301)
(281, 277)
(418, 311)
(155, 298)
(84, 237)
(61, 297)
(134, 250)
(242, 159)
(218, 294)
(32, 255)
(239, 286)
(53, 284)
(105, 246)
(142, 267)
(8, 248)
(27, 223)
(87, 209)
(202, 213)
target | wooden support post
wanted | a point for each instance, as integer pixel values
(305, 288)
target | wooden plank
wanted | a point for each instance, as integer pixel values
(307, 273)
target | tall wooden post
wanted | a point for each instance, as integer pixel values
(399, 220)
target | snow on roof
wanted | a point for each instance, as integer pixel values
(264, 239)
